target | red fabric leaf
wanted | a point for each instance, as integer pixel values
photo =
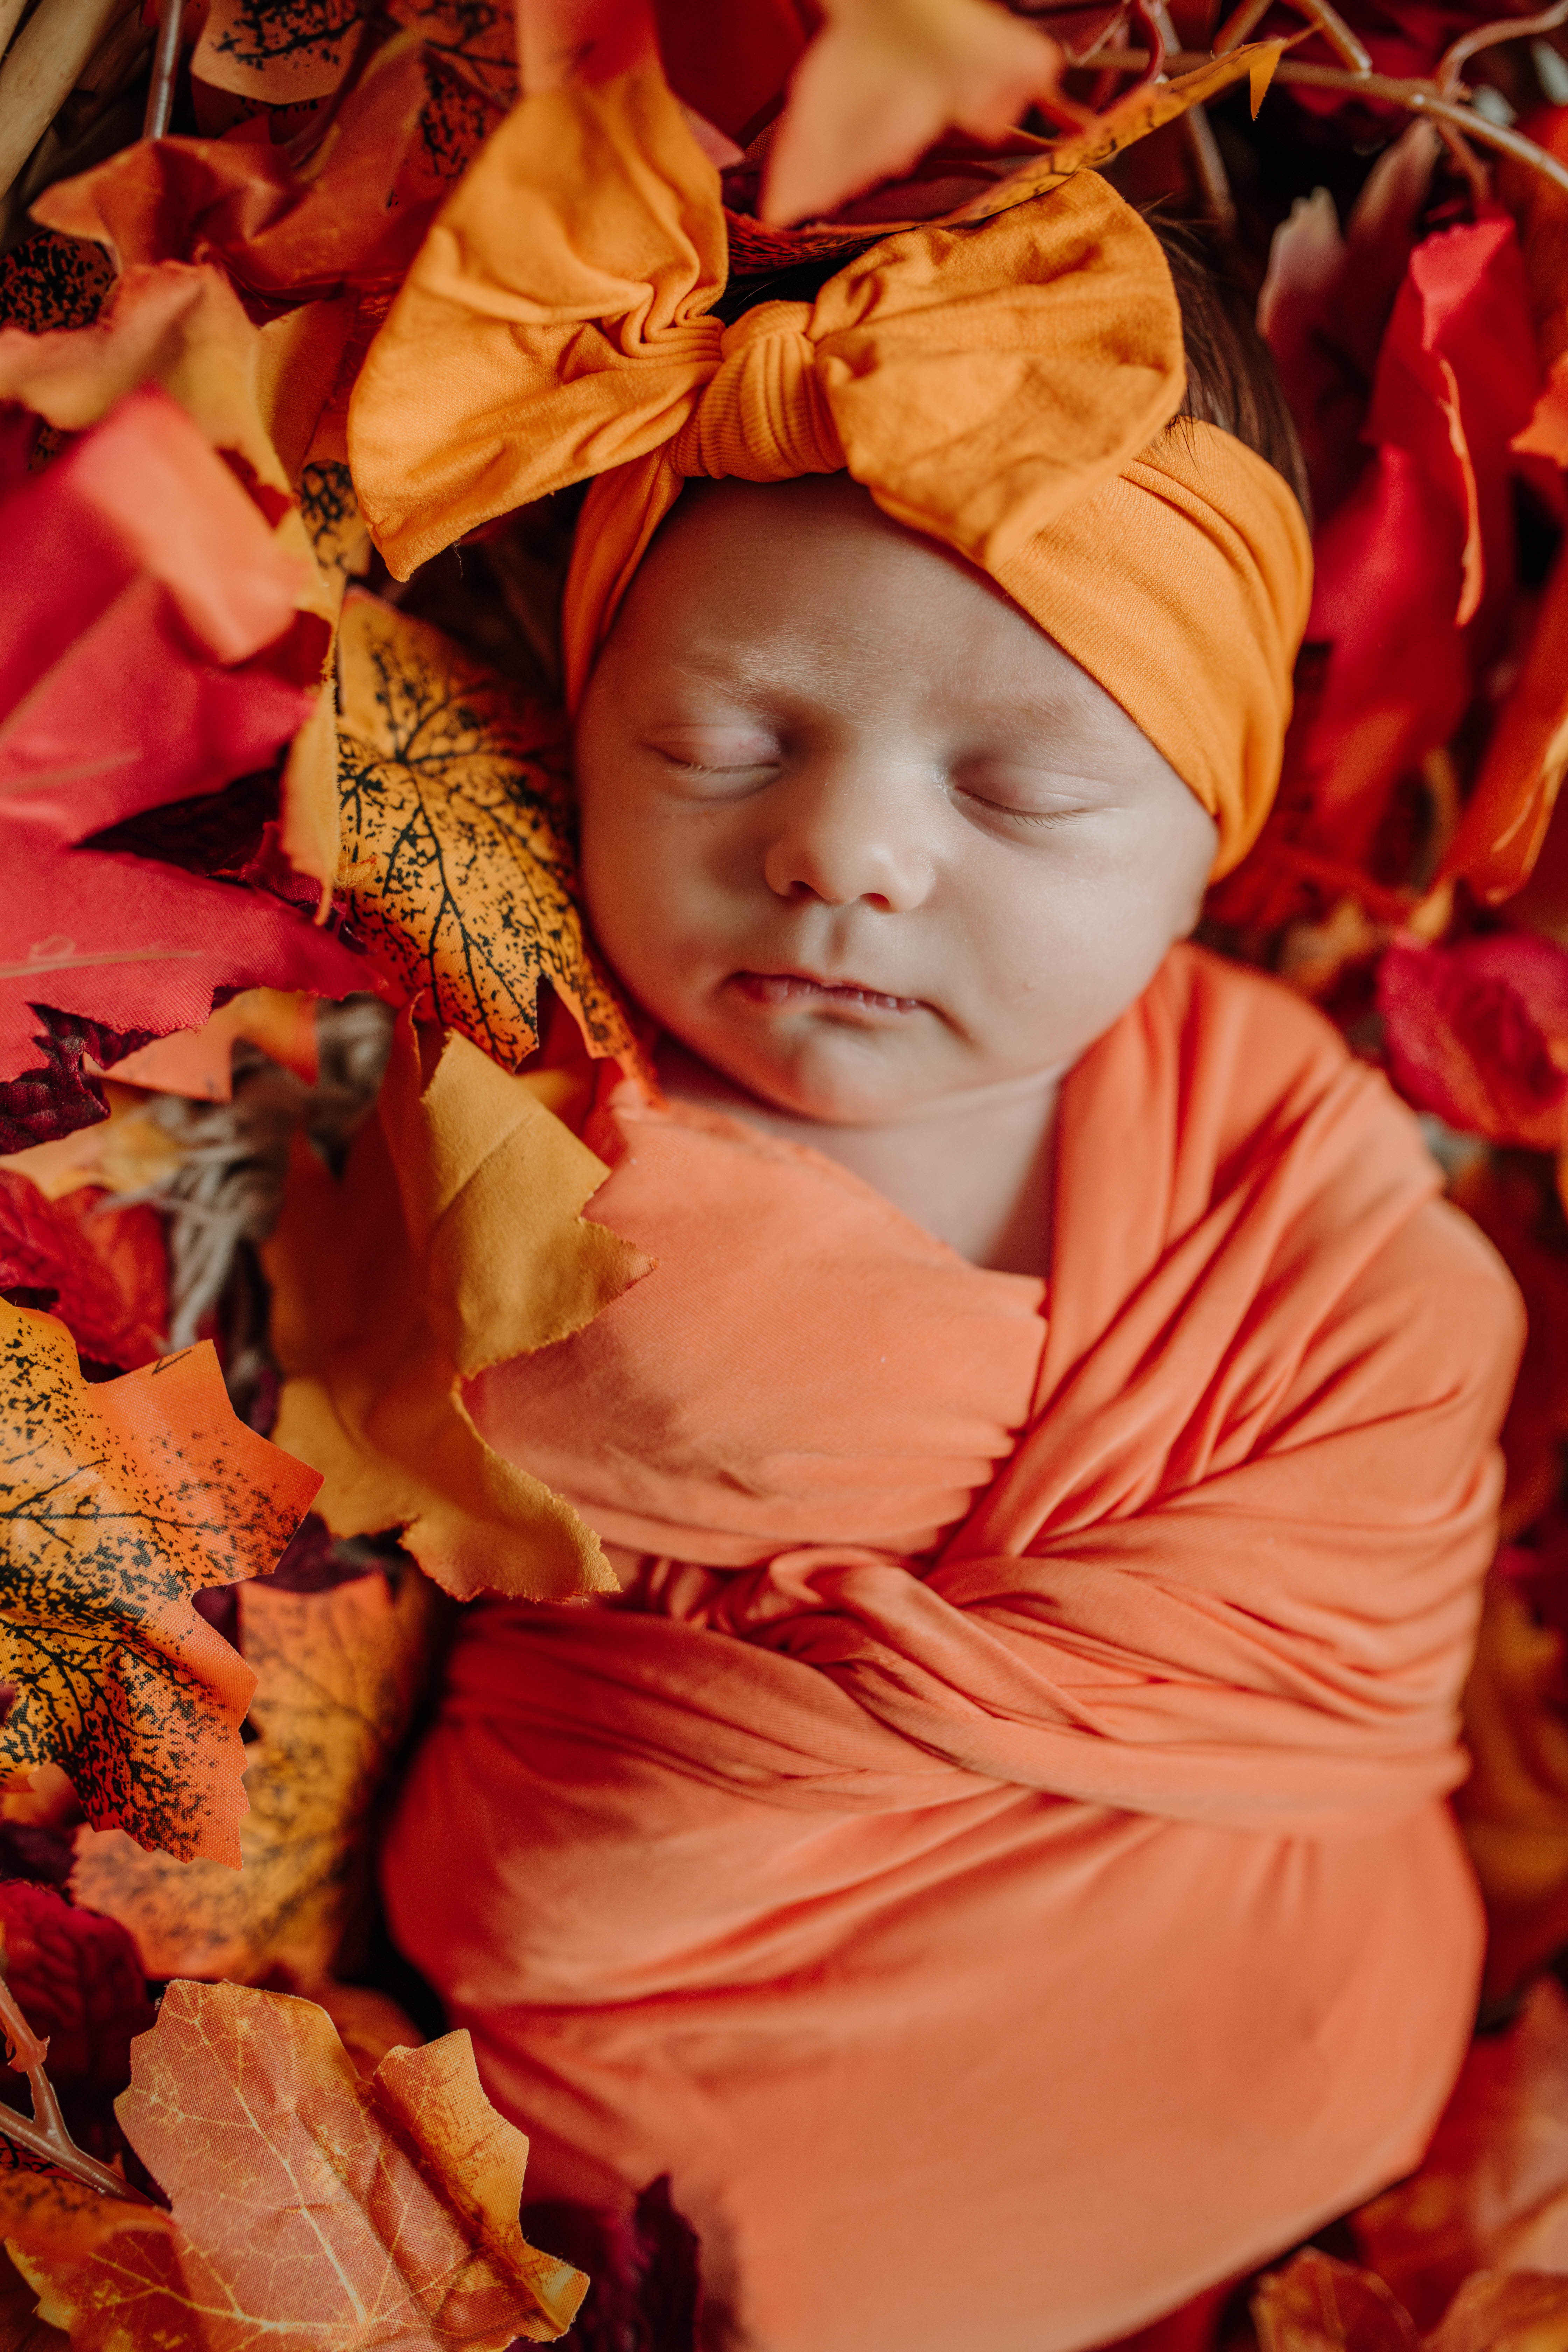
(78, 1981)
(105, 1269)
(1479, 1033)
(57, 1096)
(1415, 571)
(279, 231)
(1319, 2304)
(158, 654)
(645, 2291)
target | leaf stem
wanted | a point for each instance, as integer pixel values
(46, 2135)
(1418, 96)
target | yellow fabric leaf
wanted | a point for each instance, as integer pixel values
(453, 1241)
(338, 2212)
(456, 859)
(337, 1676)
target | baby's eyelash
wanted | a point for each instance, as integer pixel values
(1025, 816)
(696, 767)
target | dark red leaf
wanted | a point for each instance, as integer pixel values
(79, 1982)
(152, 659)
(645, 2293)
(57, 1096)
(1479, 1033)
(279, 231)
(107, 1266)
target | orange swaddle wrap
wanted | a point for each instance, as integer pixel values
(995, 1858)
(1005, 387)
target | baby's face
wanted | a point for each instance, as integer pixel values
(854, 829)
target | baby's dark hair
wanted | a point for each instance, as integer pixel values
(1231, 381)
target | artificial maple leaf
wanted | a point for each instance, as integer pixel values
(135, 542)
(1326, 302)
(199, 1063)
(1491, 2192)
(282, 232)
(122, 1500)
(1415, 567)
(1514, 1808)
(1539, 207)
(1504, 824)
(1124, 122)
(21, 2329)
(456, 864)
(454, 1240)
(58, 1096)
(48, 280)
(344, 2214)
(47, 2213)
(80, 1986)
(644, 2269)
(337, 1676)
(1479, 1033)
(103, 1269)
(279, 51)
(1319, 2304)
(129, 1152)
(1513, 1201)
(1498, 2312)
(182, 328)
(883, 79)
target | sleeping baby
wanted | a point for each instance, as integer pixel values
(993, 1852)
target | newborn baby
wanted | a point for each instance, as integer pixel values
(993, 1855)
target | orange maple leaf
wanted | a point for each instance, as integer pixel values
(120, 1499)
(456, 859)
(313, 2212)
(883, 81)
(48, 2214)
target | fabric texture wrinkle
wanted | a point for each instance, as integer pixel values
(825, 1872)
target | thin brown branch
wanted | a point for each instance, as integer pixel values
(1232, 34)
(1418, 96)
(1486, 36)
(1422, 97)
(1210, 166)
(165, 65)
(46, 2135)
(1469, 161)
(1338, 34)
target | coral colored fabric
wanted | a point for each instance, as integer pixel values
(998, 1935)
(1006, 388)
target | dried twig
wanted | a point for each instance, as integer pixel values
(1416, 97)
(1424, 97)
(46, 2135)
(1241, 27)
(165, 64)
(41, 71)
(10, 17)
(1486, 36)
(1328, 21)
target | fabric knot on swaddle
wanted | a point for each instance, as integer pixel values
(1005, 387)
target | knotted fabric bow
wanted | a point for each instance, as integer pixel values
(1006, 387)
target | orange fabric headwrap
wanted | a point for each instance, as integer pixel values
(1005, 387)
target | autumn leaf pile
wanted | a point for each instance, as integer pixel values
(286, 898)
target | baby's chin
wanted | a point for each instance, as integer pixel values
(829, 1075)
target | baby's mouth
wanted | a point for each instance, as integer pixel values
(780, 988)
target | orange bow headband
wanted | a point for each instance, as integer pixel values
(1005, 387)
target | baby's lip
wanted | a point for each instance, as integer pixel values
(792, 985)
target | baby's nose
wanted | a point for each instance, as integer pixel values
(841, 837)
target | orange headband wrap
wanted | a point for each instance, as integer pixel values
(1005, 387)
